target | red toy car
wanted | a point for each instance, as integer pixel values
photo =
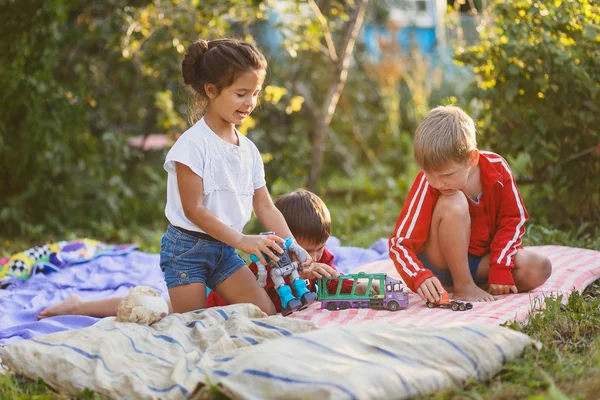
(447, 303)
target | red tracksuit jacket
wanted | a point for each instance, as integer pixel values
(497, 224)
(214, 299)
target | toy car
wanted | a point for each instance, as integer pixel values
(447, 303)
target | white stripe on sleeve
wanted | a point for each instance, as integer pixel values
(516, 236)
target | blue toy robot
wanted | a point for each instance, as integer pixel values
(282, 268)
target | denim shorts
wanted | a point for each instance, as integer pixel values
(445, 276)
(186, 259)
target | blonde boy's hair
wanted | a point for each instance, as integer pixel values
(446, 135)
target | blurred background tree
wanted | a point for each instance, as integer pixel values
(537, 97)
(80, 79)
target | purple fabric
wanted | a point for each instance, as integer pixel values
(347, 258)
(111, 276)
(100, 278)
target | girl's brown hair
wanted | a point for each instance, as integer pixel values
(218, 62)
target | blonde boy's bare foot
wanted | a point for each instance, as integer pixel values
(472, 293)
(65, 307)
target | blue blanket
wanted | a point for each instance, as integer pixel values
(110, 276)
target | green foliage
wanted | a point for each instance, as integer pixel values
(537, 93)
(63, 165)
(585, 236)
(39, 126)
(79, 78)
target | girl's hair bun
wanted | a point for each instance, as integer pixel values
(193, 56)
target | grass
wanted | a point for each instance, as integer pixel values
(567, 366)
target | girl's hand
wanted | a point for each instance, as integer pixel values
(317, 270)
(259, 244)
(431, 290)
(496, 289)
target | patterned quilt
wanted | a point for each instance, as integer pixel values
(52, 257)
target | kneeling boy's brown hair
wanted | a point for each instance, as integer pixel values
(306, 215)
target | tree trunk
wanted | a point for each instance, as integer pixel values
(333, 95)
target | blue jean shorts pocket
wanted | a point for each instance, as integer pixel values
(182, 259)
(186, 245)
(176, 277)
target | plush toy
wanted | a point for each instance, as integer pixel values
(143, 305)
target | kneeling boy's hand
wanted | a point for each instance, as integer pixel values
(431, 290)
(502, 289)
(298, 254)
(361, 288)
(317, 270)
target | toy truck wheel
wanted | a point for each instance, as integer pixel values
(454, 306)
(331, 306)
(393, 306)
(462, 307)
(469, 306)
(345, 305)
(430, 304)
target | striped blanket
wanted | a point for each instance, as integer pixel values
(248, 355)
(572, 269)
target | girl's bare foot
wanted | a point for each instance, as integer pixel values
(65, 307)
(472, 293)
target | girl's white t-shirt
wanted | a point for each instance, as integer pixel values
(230, 175)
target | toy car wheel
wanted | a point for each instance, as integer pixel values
(462, 307)
(331, 306)
(393, 306)
(454, 306)
(469, 306)
(345, 305)
(430, 304)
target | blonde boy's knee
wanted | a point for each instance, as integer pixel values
(455, 205)
(541, 269)
(545, 268)
(533, 270)
(540, 272)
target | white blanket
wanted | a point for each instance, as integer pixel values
(251, 356)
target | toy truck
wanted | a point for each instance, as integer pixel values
(392, 294)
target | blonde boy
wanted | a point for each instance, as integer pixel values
(463, 220)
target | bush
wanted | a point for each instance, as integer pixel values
(40, 128)
(536, 98)
(63, 168)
